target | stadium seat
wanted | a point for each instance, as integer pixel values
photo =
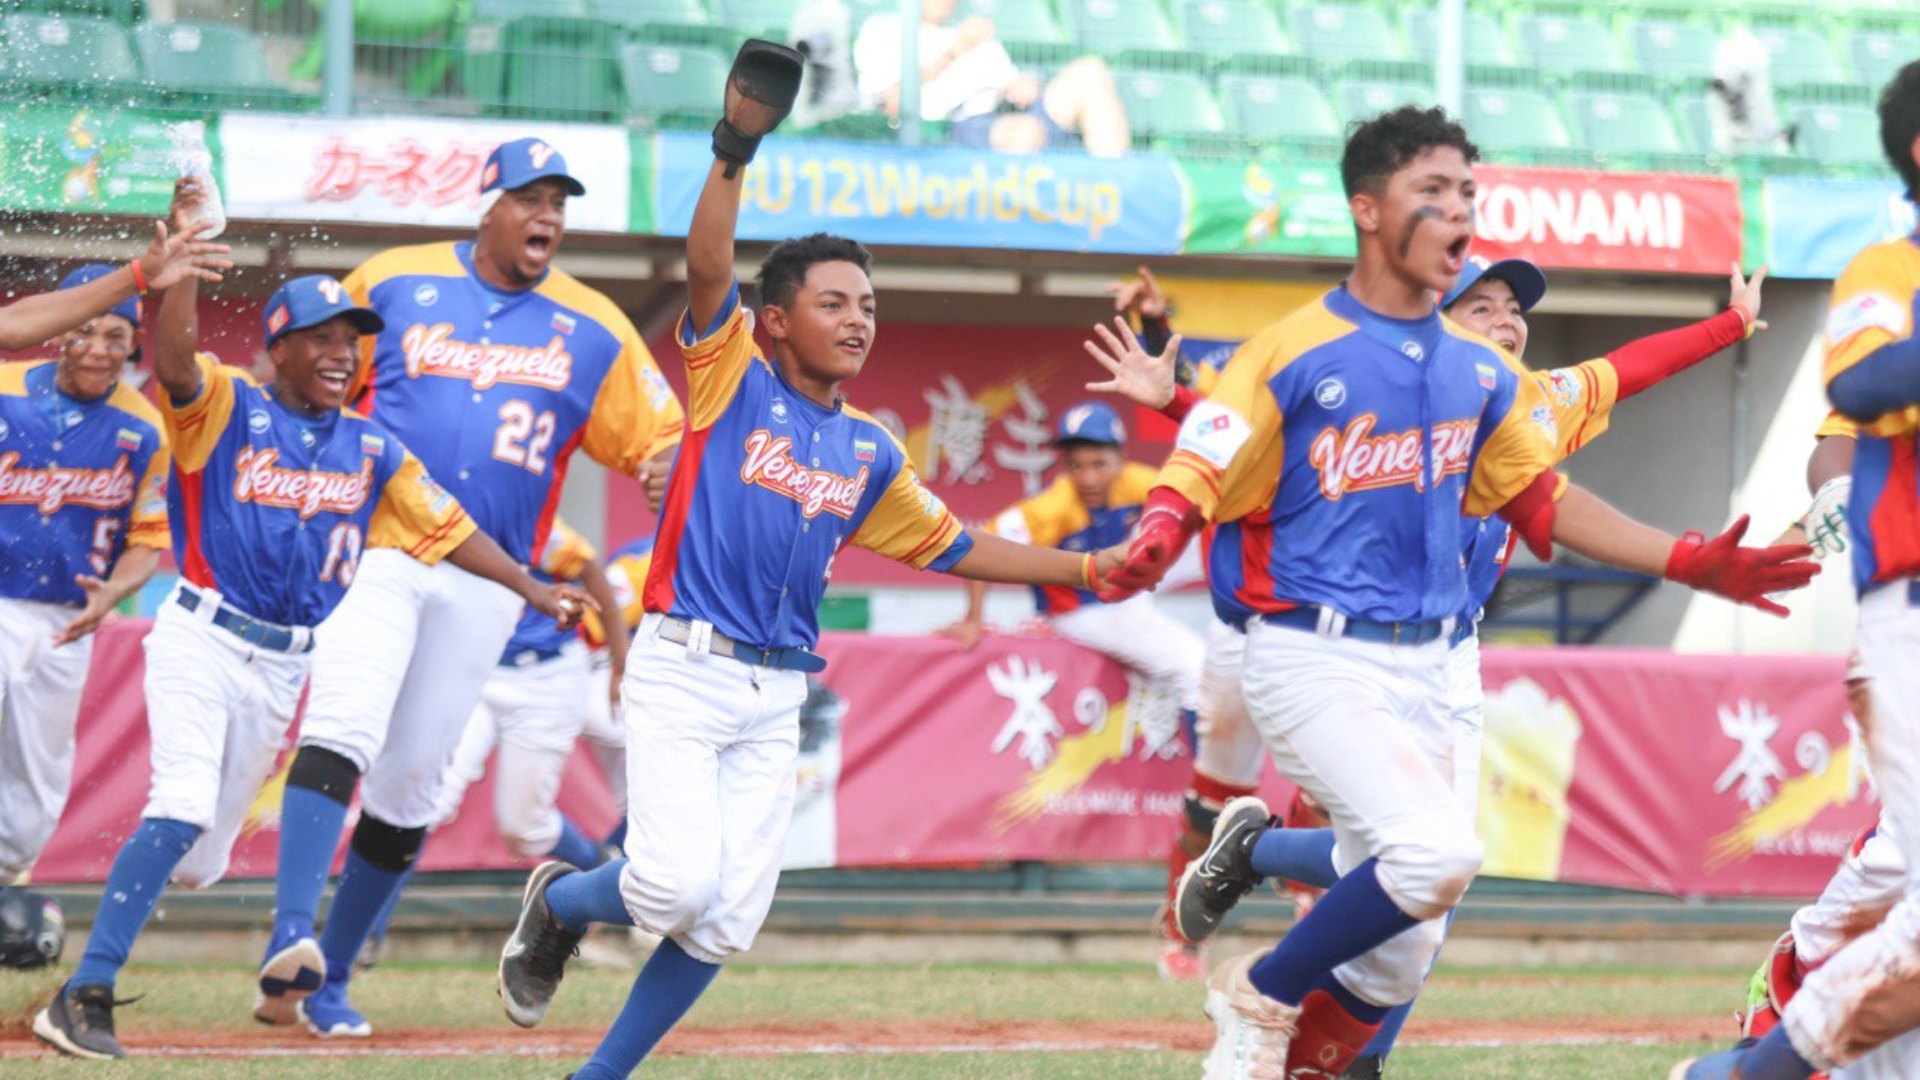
(1515, 120)
(1877, 54)
(1362, 99)
(638, 13)
(1271, 107)
(1567, 43)
(1673, 50)
(1486, 40)
(1696, 123)
(1334, 34)
(1838, 134)
(1163, 104)
(759, 18)
(1226, 27)
(124, 12)
(208, 65)
(560, 67)
(1615, 124)
(76, 56)
(1800, 56)
(1113, 26)
(676, 84)
(502, 11)
(1028, 29)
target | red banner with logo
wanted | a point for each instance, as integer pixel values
(1577, 220)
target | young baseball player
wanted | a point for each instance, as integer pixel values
(278, 493)
(777, 474)
(83, 518)
(82, 298)
(495, 366)
(1364, 424)
(1859, 998)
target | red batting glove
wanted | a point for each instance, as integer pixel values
(1741, 574)
(1166, 524)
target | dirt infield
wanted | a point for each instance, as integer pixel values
(870, 1039)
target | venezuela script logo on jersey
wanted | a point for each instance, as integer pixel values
(56, 486)
(433, 350)
(1358, 460)
(770, 464)
(258, 479)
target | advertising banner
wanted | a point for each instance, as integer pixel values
(405, 170)
(1575, 220)
(1820, 225)
(86, 161)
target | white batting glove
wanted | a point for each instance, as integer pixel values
(1826, 520)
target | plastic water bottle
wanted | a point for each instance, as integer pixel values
(192, 158)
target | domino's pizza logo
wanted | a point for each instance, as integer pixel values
(1330, 393)
(259, 422)
(426, 295)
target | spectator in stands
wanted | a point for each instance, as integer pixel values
(967, 79)
(1740, 106)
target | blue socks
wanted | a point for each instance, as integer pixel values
(1302, 855)
(590, 896)
(667, 987)
(617, 839)
(379, 930)
(574, 847)
(1774, 1058)
(133, 887)
(310, 828)
(365, 890)
(1355, 916)
(1389, 1033)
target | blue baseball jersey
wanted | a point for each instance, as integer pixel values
(495, 390)
(80, 481)
(1363, 439)
(767, 487)
(274, 508)
(565, 559)
(627, 570)
(1058, 518)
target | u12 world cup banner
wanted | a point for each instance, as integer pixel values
(1685, 775)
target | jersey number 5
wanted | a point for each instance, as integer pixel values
(105, 531)
(523, 438)
(343, 554)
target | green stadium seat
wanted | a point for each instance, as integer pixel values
(1226, 27)
(1567, 43)
(1486, 40)
(69, 56)
(1027, 28)
(1614, 124)
(1696, 121)
(560, 67)
(1514, 119)
(1800, 56)
(205, 64)
(637, 13)
(124, 12)
(1113, 26)
(1838, 134)
(1163, 104)
(1271, 107)
(502, 11)
(761, 18)
(1877, 54)
(1362, 99)
(676, 84)
(1673, 50)
(1335, 34)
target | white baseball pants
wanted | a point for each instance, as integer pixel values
(397, 669)
(532, 714)
(1366, 729)
(218, 710)
(40, 688)
(710, 786)
(1467, 706)
(1855, 1001)
(1138, 635)
(1231, 750)
(605, 735)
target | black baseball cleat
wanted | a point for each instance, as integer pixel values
(79, 1022)
(535, 959)
(1214, 882)
(1365, 1067)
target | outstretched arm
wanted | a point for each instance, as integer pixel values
(176, 332)
(996, 559)
(1647, 361)
(170, 259)
(131, 570)
(480, 556)
(760, 91)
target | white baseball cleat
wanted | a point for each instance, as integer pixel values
(1251, 1031)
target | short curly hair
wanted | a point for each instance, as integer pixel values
(785, 268)
(1385, 144)
(1900, 125)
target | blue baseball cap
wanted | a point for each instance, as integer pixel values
(514, 165)
(1528, 282)
(128, 309)
(310, 301)
(1092, 422)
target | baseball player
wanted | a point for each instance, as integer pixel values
(1364, 424)
(604, 734)
(777, 474)
(32, 320)
(83, 518)
(496, 367)
(278, 493)
(1861, 996)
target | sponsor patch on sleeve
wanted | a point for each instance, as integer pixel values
(1869, 309)
(1215, 433)
(1012, 525)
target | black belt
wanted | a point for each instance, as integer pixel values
(1308, 617)
(262, 635)
(794, 658)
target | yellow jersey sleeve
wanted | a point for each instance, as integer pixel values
(1043, 520)
(715, 362)
(1837, 425)
(1514, 455)
(567, 553)
(418, 516)
(194, 428)
(1136, 480)
(359, 285)
(910, 524)
(1227, 458)
(636, 416)
(1582, 398)
(1873, 306)
(147, 524)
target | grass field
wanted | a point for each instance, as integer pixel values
(990, 1022)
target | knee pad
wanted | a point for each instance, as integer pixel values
(388, 847)
(321, 770)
